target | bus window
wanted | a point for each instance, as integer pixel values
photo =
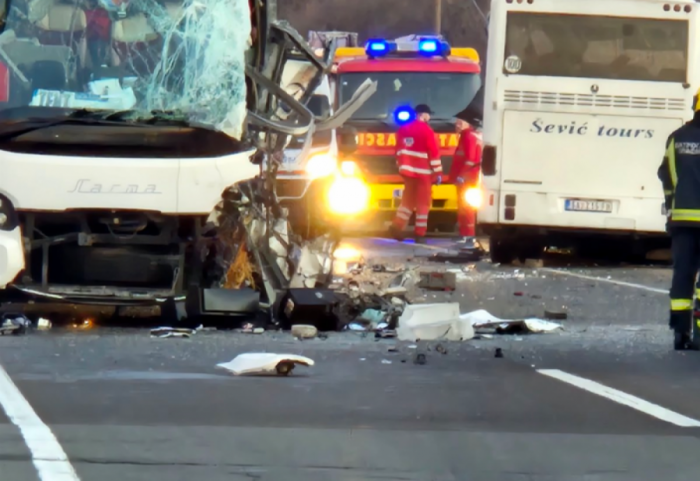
(591, 46)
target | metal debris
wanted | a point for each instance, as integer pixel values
(165, 332)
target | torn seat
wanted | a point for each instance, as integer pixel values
(136, 45)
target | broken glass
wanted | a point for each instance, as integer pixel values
(183, 57)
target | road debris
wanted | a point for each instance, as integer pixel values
(304, 331)
(14, 324)
(559, 315)
(386, 361)
(43, 324)
(482, 319)
(165, 332)
(441, 349)
(498, 353)
(249, 328)
(438, 280)
(433, 322)
(264, 363)
(420, 359)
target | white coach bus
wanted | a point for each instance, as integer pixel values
(580, 98)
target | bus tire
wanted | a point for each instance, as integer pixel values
(501, 252)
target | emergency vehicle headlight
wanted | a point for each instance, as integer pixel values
(321, 165)
(403, 115)
(349, 168)
(474, 197)
(348, 196)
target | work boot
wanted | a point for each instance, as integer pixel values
(395, 233)
(683, 342)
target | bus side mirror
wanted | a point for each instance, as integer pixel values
(488, 161)
(347, 140)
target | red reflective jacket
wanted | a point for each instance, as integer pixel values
(417, 152)
(467, 157)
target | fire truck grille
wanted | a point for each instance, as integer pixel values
(386, 164)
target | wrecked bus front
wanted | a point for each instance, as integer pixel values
(133, 174)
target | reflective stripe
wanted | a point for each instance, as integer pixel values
(687, 215)
(421, 224)
(668, 192)
(413, 153)
(436, 163)
(403, 215)
(404, 209)
(422, 216)
(681, 304)
(671, 156)
(416, 170)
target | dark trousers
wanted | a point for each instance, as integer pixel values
(685, 246)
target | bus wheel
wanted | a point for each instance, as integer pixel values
(501, 251)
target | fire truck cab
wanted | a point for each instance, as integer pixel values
(409, 71)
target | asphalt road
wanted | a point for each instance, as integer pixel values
(603, 399)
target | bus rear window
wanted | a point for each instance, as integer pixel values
(590, 46)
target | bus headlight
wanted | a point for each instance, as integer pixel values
(473, 197)
(348, 196)
(321, 165)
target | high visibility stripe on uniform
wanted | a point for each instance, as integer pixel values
(436, 163)
(412, 153)
(671, 156)
(421, 216)
(403, 213)
(681, 304)
(421, 224)
(685, 215)
(668, 192)
(416, 170)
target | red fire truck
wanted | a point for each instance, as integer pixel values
(409, 71)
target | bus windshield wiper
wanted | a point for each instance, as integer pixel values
(89, 117)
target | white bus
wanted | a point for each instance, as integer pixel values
(580, 98)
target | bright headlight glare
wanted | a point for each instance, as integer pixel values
(474, 197)
(349, 168)
(348, 196)
(321, 165)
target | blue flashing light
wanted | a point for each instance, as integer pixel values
(377, 47)
(428, 46)
(403, 115)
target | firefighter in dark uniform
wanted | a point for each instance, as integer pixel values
(680, 176)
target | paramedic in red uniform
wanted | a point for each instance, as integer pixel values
(418, 159)
(464, 173)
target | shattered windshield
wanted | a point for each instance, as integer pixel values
(445, 93)
(181, 56)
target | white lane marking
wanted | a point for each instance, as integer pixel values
(603, 279)
(622, 398)
(48, 457)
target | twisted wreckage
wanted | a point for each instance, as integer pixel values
(140, 145)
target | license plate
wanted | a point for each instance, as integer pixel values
(398, 193)
(588, 205)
